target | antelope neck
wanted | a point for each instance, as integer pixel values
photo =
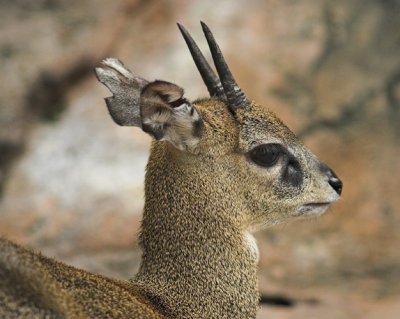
(195, 261)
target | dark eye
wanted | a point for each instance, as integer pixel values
(266, 155)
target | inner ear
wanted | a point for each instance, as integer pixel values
(167, 115)
(164, 92)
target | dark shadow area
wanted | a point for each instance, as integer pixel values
(284, 301)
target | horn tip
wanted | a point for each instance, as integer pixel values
(204, 26)
(182, 28)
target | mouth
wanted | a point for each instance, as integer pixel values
(312, 209)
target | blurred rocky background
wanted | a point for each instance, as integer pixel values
(72, 181)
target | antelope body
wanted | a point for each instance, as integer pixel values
(219, 169)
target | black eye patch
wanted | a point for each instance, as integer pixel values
(292, 174)
(266, 155)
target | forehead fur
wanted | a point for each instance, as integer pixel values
(259, 125)
(248, 128)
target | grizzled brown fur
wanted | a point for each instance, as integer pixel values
(219, 169)
(34, 286)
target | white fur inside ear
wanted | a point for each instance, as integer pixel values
(183, 109)
(181, 131)
(158, 118)
(176, 125)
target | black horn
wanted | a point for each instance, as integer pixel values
(210, 79)
(234, 94)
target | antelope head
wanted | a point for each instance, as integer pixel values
(240, 148)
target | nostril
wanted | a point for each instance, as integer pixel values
(336, 184)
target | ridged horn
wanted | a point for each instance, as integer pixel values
(210, 79)
(234, 94)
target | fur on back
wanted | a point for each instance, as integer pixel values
(34, 286)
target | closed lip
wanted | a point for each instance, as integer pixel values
(313, 208)
(316, 204)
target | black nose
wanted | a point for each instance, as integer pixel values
(333, 180)
(336, 183)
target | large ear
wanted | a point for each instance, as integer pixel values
(159, 107)
(126, 87)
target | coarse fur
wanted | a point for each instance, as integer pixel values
(215, 175)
